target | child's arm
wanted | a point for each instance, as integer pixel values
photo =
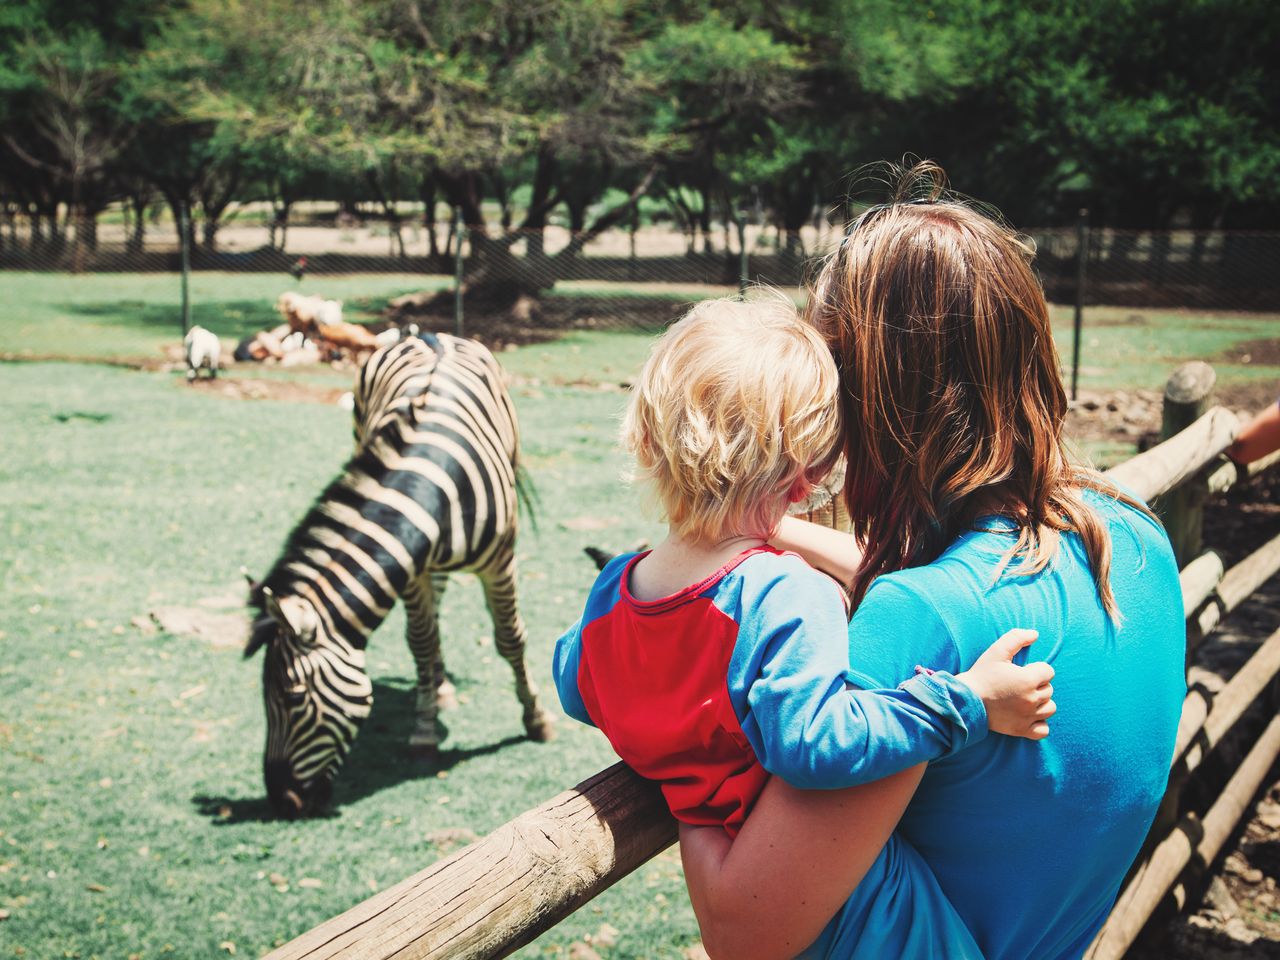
(564, 669)
(1002, 685)
(833, 552)
(810, 727)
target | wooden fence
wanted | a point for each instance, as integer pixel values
(498, 894)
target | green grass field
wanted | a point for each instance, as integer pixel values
(132, 316)
(132, 813)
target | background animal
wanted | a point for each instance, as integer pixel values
(202, 350)
(431, 490)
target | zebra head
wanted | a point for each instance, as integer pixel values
(317, 694)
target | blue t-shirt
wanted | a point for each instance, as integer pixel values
(1028, 841)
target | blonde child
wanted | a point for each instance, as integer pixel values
(714, 660)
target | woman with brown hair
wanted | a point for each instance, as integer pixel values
(968, 513)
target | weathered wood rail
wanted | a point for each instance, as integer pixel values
(498, 894)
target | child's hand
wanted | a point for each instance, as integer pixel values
(1019, 700)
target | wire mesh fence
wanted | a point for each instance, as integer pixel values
(1211, 270)
(508, 285)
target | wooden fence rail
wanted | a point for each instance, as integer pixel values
(499, 893)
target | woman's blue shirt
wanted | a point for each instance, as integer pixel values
(1017, 848)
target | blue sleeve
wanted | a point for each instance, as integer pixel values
(807, 724)
(564, 670)
(568, 652)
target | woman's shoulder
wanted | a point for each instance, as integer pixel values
(1129, 521)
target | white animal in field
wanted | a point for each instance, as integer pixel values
(203, 351)
(393, 335)
(328, 313)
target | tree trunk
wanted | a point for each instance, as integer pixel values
(394, 226)
(280, 207)
(428, 194)
(704, 222)
(541, 202)
(36, 241)
(176, 202)
(577, 216)
(138, 232)
(86, 242)
(502, 191)
(609, 219)
(56, 237)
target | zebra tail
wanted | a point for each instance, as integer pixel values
(528, 495)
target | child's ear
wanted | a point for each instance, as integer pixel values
(801, 487)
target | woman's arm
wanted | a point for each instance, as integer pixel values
(833, 552)
(769, 893)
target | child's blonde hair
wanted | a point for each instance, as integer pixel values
(737, 401)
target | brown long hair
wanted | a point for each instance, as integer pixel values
(950, 388)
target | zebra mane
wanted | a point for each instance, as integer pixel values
(287, 571)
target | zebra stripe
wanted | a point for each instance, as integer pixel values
(430, 490)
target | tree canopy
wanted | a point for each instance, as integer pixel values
(1153, 113)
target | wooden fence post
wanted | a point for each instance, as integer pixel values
(1186, 398)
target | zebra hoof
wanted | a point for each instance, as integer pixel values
(446, 696)
(541, 728)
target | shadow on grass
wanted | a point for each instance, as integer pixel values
(226, 318)
(233, 319)
(379, 759)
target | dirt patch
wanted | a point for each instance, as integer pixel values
(1115, 319)
(1134, 416)
(1248, 397)
(504, 318)
(249, 388)
(130, 363)
(1118, 416)
(1244, 519)
(1264, 351)
(219, 630)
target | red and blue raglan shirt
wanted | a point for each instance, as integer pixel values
(711, 690)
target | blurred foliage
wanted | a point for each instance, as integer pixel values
(1152, 113)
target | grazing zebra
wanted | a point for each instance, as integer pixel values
(431, 490)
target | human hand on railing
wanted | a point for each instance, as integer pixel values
(1259, 438)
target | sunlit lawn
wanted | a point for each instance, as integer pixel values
(132, 818)
(133, 812)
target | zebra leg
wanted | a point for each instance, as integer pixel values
(446, 692)
(423, 636)
(509, 636)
